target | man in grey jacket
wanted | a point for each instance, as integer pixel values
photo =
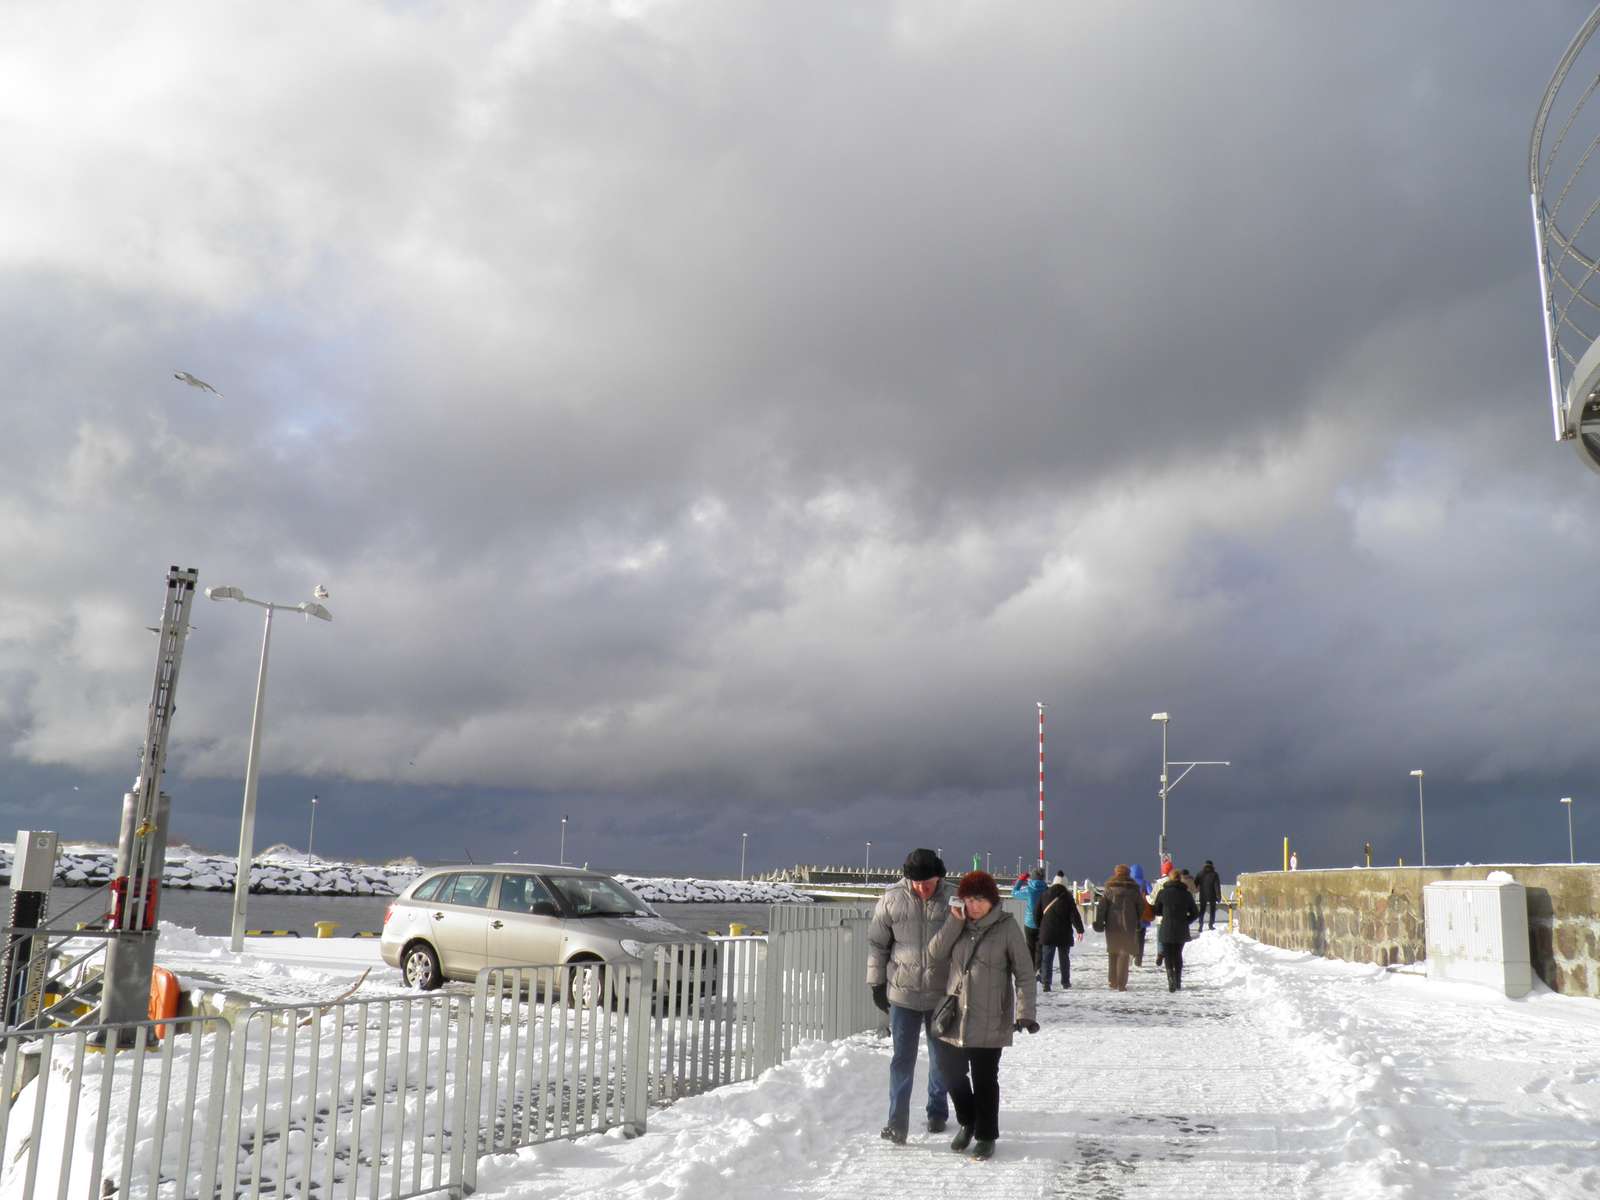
(908, 984)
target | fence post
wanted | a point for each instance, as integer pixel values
(469, 1084)
(636, 1054)
(769, 1002)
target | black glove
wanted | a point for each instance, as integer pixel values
(880, 996)
(1030, 1026)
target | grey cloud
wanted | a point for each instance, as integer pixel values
(749, 413)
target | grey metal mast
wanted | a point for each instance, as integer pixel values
(142, 846)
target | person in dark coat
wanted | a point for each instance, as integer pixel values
(1058, 919)
(1210, 884)
(1175, 909)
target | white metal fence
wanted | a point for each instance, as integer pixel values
(389, 1099)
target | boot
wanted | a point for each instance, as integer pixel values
(890, 1134)
(1172, 977)
(983, 1150)
(937, 1124)
(962, 1140)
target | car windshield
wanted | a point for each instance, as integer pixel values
(597, 896)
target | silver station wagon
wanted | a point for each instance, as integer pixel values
(454, 921)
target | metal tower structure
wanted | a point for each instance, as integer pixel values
(142, 846)
(1564, 192)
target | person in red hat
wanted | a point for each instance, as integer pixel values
(990, 996)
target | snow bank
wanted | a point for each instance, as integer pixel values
(289, 872)
(712, 891)
(280, 869)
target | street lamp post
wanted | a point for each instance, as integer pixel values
(1161, 847)
(563, 841)
(311, 837)
(1422, 821)
(252, 766)
(1572, 852)
(868, 874)
(744, 842)
(1168, 785)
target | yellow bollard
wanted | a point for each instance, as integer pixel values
(325, 928)
(1285, 854)
(735, 929)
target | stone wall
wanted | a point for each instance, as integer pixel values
(1375, 915)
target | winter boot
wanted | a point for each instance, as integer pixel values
(982, 1150)
(962, 1140)
(890, 1134)
(937, 1124)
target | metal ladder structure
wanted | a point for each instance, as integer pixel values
(120, 990)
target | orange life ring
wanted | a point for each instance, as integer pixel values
(164, 997)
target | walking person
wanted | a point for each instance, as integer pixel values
(908, 983)
(1210, 884)
(990, 989)
(1136, 873)
(1032, 894)
(1058, 919)
(1175, 906)
(1120, 916)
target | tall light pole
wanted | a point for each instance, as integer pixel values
(1168, 785)
(744, 842)
(1572, 852)
(563, 840)
(252, 766)
(1422, 821)
(868, 873)
(311, 837)
(1161, 846)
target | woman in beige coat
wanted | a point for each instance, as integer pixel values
(992, 983)
(1119, 917)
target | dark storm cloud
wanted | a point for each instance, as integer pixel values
(711, 416)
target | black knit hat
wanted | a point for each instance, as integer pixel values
(923, 864)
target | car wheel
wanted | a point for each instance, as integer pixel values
(420, 967)
(586, 982)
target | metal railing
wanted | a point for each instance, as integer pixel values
(145, 1121)
(396, 1098)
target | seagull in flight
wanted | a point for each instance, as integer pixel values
(321, 593)
(185, 377)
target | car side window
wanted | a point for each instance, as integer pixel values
(430, 889)
(519, 893)
(471, 889)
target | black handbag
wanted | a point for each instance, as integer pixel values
(948, 1015)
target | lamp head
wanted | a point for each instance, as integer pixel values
(1566, 799)
(224, 593)
(1159, 717)
(1416, 774)
(313, 609)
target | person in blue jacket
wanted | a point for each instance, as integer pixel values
(1137, 875)
(1032, 896)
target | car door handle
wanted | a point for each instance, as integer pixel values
(438, 916)
(497, 924)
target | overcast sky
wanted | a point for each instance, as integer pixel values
(713, 418)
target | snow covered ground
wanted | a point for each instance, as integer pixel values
(1273, 1074)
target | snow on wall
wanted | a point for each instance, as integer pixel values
(286, 871)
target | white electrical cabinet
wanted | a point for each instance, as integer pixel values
(1477, 932)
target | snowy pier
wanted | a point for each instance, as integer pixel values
(1272, 1074)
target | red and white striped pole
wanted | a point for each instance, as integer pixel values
(1040, 705)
